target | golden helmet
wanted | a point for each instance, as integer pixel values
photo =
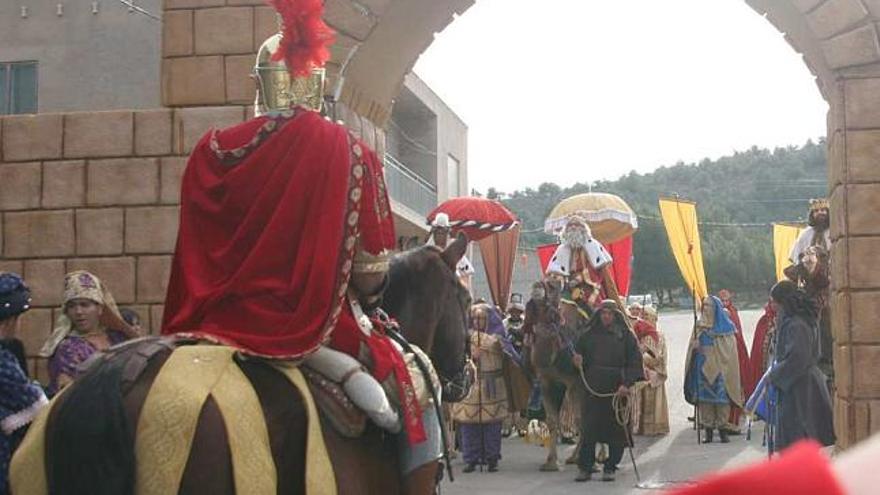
(277, 89)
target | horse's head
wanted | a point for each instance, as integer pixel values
(542, 311)
(545, 298)
(816, 260)
(426, 297)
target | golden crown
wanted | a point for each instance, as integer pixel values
(819, 204)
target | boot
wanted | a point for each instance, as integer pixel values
(724, 437)
(584, 475)
(709, 435)
(493, 466)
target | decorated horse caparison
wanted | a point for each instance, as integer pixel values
(91, 433)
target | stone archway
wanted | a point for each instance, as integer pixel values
(839, 42)
(98, 190)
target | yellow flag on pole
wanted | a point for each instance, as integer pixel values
(680, 219)
(784, 237)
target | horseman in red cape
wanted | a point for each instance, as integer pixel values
(283, 257)
(278, 215)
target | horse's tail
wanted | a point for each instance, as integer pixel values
(89, 441)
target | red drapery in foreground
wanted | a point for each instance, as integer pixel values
(800, 469)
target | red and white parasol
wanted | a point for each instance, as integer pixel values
(476, 217)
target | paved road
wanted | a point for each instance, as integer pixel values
(673, 458)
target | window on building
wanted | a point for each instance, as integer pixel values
(453, 177)
(18, 87)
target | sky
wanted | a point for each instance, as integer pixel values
(570, 91)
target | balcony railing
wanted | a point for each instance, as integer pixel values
(408, 187)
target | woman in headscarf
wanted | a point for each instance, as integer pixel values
(803, 404)
(712, 378)
(481, 414)
(653, 417)
(20, 398)
(89, 322)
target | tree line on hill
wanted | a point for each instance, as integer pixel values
(745, 192)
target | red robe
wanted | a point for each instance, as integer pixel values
(644, 328)
(745, 371)
(799, 470)
(767, 321)
(272, 211)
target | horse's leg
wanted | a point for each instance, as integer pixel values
(209, 465)
(551, 408)
(286, 421)
(577, 396)
(422, 480)
(362, 466)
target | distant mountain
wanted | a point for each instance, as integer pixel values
(758, 186)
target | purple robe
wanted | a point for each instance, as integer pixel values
(479, 439)
(71, 352)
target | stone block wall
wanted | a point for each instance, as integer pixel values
(854, 162)
(209, 48)
(97, 191)
(845, 32)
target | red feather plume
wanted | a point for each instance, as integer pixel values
(305, 37)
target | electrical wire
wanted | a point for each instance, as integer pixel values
(140, 10)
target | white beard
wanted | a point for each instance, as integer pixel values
(575, 238)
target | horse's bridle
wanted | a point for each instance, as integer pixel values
(554, 319)
(456, 387)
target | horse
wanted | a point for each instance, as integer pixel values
(555, 327)
(90, 431)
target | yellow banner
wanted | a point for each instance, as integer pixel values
(680, 220)
(784, 237)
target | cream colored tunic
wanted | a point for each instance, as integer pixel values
(653, 413)
(487, 400)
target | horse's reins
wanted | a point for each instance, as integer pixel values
(426, 376)
(423, 368)
(466, 361)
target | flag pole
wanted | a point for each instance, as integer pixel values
(695, 333)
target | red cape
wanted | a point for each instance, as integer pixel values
(757, 355)
(745, 367)
(644, 328)
(270, 212)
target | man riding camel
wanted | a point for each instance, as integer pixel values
(284, 243)
(576, 256)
